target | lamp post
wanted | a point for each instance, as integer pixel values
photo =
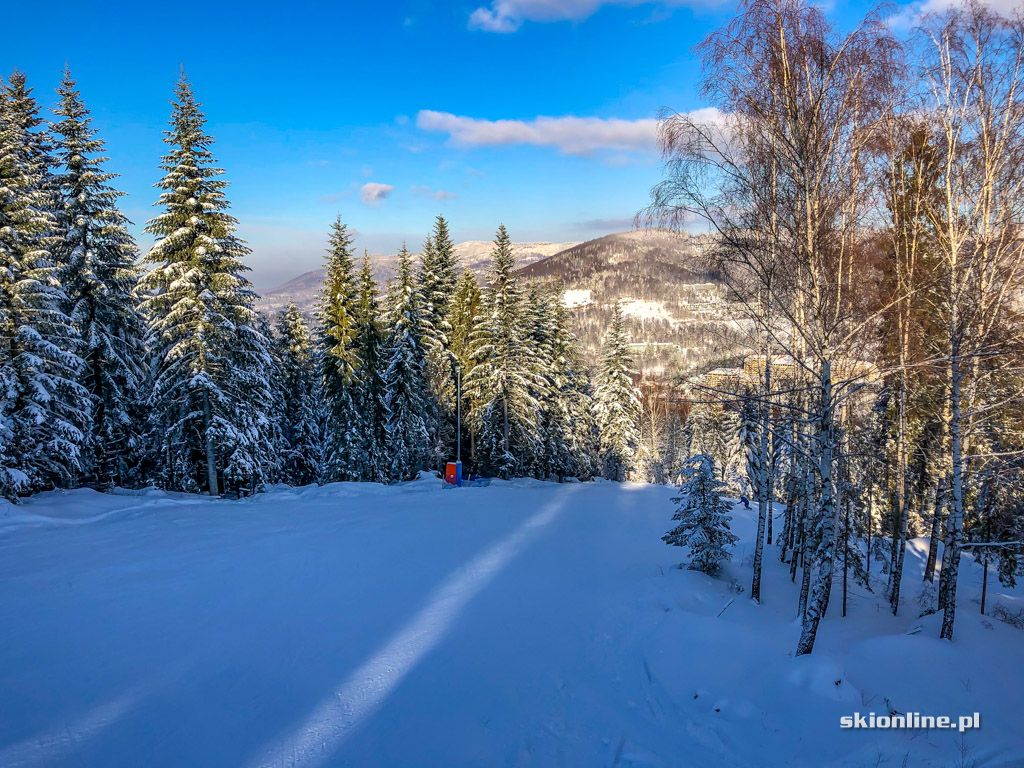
(458, 413)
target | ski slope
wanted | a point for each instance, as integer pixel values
(524, 624)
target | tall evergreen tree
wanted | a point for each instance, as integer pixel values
(465, 313)
(437, 284)
(617, 403)
(369, 346)
(707, 431)
(44, 411)
(574, 415)
(405, 389)
(98, 257)
(503, 381)
(339, 357)
(565, 426)
(211, 364)
(300, 419)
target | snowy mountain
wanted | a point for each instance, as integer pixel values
(475, 254)
(677, 312)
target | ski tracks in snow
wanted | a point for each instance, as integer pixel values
(320, 735)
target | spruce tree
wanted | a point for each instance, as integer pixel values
(748, 438)
(707, 434)
(437, 284)
(566, 428)
(734, 459)
(98, 256)
(300, 418)
(576, 399)
(405, 389)
(465, 313)
(44, 411)
(339, 357)
(210, 392)
(538, 321)
(369, 343)
(703, 517)
(617, 403)
(503, 381)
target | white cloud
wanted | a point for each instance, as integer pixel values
(506, 16)
(569, 135)
(912, 14)
(440, 194)
(374, 194)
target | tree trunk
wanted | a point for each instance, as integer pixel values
(984, 579)
(211, 453)
(956, 512)
(933, 540)
(763, 510)
(825, 555)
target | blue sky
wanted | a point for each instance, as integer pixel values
(387, 112)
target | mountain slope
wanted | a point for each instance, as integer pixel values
(677, 311)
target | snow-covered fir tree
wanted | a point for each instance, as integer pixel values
(565, 428)
(98, 257)
(674, 445)
(339, 358)
(734, 461)
(465, 313)
(211, 365)
(44, 411)
(370, 396)
(575, 399)
(503, 381)
(300, 419)
(707, 431)
(703, 517)
(438, 274)
(616, 402)
(748, 438)
(405, 389)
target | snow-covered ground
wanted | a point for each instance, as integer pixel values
(524, 624)
(577, 297)
(645, 310)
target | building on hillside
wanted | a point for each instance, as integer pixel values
(784, 370)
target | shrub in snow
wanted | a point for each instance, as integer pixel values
(1005, 615)
(703, 517)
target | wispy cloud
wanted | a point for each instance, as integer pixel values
(582, 136)
(440, 194)
(506, 16)
(910, 15)
(570, 135)
(374, 194)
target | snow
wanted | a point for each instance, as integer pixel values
(577, 297)
(526, 623)
(645, 310)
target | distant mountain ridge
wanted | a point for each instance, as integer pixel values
(475, 254)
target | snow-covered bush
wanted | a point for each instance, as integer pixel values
(703, 517)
